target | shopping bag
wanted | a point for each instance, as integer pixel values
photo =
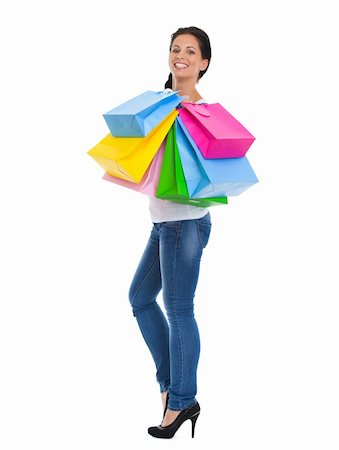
(149, 183)
(172, 184)
(137, 117)
(211, 177)
(129, 158)
(215, 131)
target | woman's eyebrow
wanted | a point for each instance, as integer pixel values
(188, 46)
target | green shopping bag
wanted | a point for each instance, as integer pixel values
(172, 184)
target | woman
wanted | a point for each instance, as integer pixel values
(171, 262)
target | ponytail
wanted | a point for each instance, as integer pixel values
(168, 83)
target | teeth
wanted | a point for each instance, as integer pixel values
(180, 66)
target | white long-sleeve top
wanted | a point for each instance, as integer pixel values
(166, 210)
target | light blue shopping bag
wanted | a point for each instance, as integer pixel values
(211, 177)
(140, 115)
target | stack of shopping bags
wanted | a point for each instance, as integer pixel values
(164, 147)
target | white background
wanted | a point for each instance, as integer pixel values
(75, 371)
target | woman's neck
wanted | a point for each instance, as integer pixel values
(187, 89)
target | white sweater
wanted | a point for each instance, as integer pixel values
(167, 211)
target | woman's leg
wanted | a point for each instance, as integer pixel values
(181, 247)
(144, 289)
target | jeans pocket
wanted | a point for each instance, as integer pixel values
(204, 231)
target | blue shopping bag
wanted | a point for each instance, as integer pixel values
(211, 177)
(140, 115)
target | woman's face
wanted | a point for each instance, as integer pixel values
(185, 60)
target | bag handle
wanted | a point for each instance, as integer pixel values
(167, 91)
(200, 109)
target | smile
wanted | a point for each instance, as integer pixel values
(180, 65)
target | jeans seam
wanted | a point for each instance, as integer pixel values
(199, 237)
(178, 236)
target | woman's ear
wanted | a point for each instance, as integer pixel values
(204, 64)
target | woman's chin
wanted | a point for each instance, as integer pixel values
(181, 75)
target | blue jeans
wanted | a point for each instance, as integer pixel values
(171, 262)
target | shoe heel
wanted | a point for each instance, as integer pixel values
(194, 420)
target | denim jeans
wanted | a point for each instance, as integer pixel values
(171, 262)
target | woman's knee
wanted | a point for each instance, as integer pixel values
(132, 294)
(139, 302)
(139, 299)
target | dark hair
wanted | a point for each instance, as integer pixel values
(204, 44)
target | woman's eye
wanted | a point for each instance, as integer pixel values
(189, 52)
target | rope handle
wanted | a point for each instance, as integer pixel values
(201, 109)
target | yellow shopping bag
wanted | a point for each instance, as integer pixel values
(129, 157)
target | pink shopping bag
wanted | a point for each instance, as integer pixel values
(149, 183)
(215, 131)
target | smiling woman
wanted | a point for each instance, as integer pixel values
(189, 58)
(185, 59)
(171, 262)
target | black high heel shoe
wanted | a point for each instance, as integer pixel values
(168, 432)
